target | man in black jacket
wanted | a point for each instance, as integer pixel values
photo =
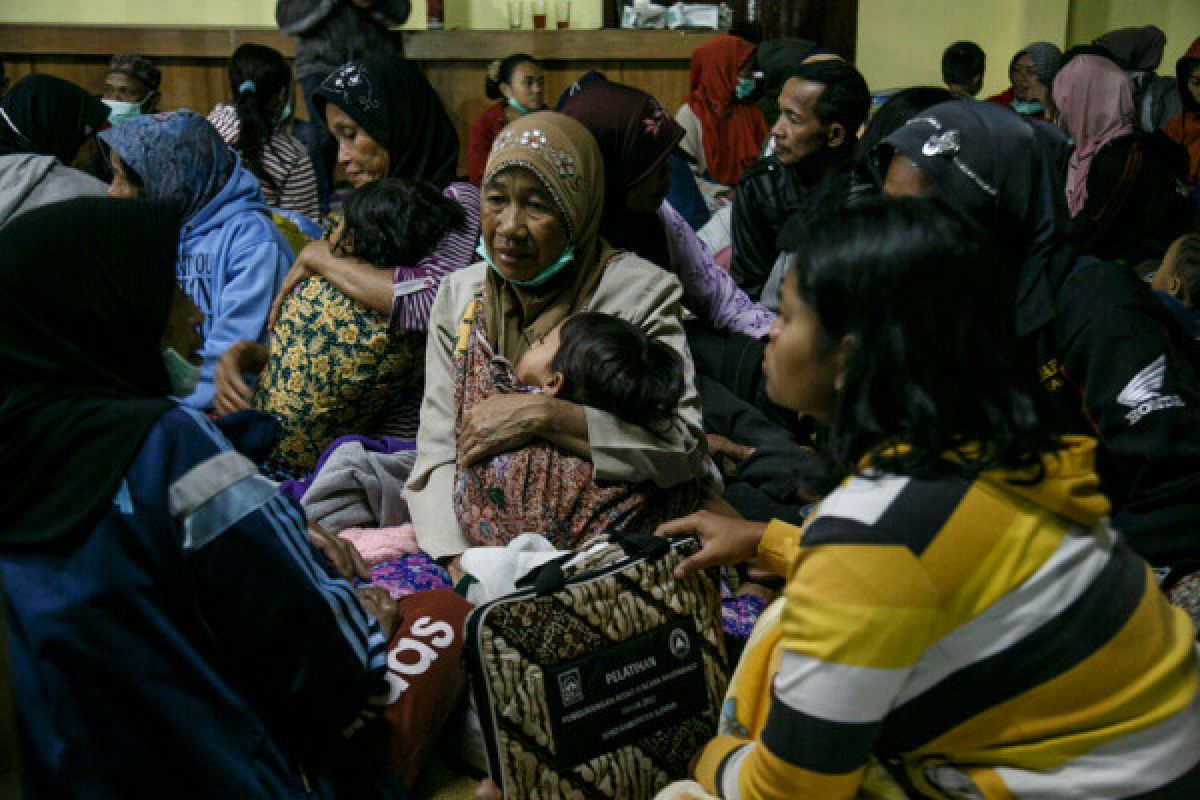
(822, 106)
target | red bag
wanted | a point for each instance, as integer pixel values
(426, 676)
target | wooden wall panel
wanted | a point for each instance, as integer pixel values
(194, 76)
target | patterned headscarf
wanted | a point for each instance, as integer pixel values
(564, 158)
(635, 135)
(1095, 103)
(392, 101)
(990, 165)
(178, 155)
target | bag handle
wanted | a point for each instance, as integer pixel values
(551, 577)
(547, 578)
(641, 545)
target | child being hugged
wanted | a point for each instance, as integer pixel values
(334, 367)
(593, 359)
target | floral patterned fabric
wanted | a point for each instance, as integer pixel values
(334, 369)
(541, 488)
(410, 574)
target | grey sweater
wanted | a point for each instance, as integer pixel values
(334, 32)
(28, 180)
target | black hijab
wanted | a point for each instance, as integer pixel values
(50, 117)
(393, 102)
(994, 168)
(635, 135)
(81, 322)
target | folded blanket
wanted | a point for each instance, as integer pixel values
(377, 545)
(358, 486)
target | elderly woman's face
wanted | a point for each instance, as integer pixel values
(362, 158)
(522, 228)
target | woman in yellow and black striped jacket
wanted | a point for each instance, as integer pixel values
(958, 607)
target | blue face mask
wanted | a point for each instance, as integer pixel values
(183, 374)
(515, 106)
(568, 255)
(744, 88)
(1027, 107)
(119, 111)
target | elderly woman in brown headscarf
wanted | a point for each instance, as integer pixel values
(544, 260)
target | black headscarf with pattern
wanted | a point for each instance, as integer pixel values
(392, 101)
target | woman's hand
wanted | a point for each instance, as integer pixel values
(297, 275)
(231, 392)
(724, 542)
(499, 424)
(341, 553)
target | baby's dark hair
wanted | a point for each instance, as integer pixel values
(612, 365)
(501, 70)
(395, 222)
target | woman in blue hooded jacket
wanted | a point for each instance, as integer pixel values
(232, 259)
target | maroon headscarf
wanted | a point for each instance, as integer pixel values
(635, 135)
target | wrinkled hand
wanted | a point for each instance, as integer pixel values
(231, 392)
(499, 424)
(724, 542)
(341, 553)
(727, 454)
(380, 605)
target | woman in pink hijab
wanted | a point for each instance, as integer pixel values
(1094, 98)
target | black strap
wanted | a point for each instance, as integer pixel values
(641, 545)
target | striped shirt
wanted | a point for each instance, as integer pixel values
(983, 639)
(414, 288)
(285, 160)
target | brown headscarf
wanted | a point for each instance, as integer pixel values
(564, 157)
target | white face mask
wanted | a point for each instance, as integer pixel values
(183, 374)
(119, 111)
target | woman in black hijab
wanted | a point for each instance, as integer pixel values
(1111, 360)
(154, 582)
(49, 116)
(388, 123)
(387, 101)
(44, 123)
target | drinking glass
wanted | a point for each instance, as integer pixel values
(562, 13)
(539, 14)
(516, 11)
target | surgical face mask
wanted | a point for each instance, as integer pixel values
(568, 255)
(744, 88)
(515, 106)
(1027, 107)
(119, 111)
(286, 114)
(183, 374)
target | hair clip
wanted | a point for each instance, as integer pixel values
(942, 144)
